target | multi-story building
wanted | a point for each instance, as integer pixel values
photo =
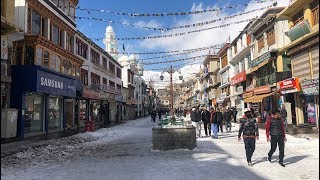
(224, 72)
(303, 53)
(47, 97)
(267, 34)
(7, 27)
(240, 56)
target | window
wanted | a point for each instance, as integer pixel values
(314, 6)
(69, 43)
(224, 60)
(270, 37)
(111, 84)
(55, 33)
(34, 111)
(84, 76)
(38, 56)
(66, 7)
(111, 68)
(260, 43)
(55, 113)
(3, 9)
(46, 59)
(81, 48)
(104, 81)
(235, 49)
(52, 61)
(248, 39)
(73, 70)
(66, 67)
(95, 79)
(58, 64)
(72, 11)
(95, 57)
(104, 62)
(298, 17)
(119, 73)
(61, 4)
(77, 72)
(118, 86)
(129, 78)
(34, 22)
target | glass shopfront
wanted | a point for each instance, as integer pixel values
(55, 113)
(33, 112)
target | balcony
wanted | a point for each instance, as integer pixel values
(315, 15)
(300, 29)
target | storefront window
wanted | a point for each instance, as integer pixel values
(33, 113)
(52, 61)
(55, 113)
(95, 111)
(309, 110)
(83, 113)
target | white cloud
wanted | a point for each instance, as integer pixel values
(204, 38)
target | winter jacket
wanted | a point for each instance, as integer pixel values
(219, 117)
(249, 128)
(283, 113)
(213, 118)
(195, 116)
(275, 127)
(227, 116)
(205, 116)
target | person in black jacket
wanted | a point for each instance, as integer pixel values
(196, 120)
(249, 128)
(276, 128)
(214, 123)
(205, 116)
(219, 117)
(227, 119)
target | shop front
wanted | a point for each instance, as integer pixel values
(90, 107)
(238, 82)
(308, 106)
(42, 99)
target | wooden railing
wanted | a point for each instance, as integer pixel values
(315, 15)
(297, 21)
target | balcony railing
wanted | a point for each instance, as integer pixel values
(273, 78)
(315, 15)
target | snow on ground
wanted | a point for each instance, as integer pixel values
(125, 152)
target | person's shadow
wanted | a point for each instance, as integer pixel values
(287, 161)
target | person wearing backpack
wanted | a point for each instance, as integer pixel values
(250, 132)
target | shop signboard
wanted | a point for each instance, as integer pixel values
(238, 78)
(262, 90)
(290, 85)
(87, 93)
(56, 85)
(260, 59)
(310, 86)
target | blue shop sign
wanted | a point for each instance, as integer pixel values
(55, 85)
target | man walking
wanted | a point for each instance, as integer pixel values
(219, 119)
(234, 113)
(196, 120)
(205, 116)
(227, 119)
(283, 116)
(275, 128)
(249, 128)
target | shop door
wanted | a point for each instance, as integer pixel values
(69, 113)
(105, 114)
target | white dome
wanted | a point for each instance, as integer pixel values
(109, 29)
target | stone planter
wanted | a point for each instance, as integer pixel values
(175, 137)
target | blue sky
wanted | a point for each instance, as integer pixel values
(96, 29)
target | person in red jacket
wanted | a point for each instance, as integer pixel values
(276, 128)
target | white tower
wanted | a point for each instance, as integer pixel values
(111, 43)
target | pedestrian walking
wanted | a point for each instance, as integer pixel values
(205, 117)
(196, 120)
(153, 115)
(219, 120)
(250, 132)
(227, 119)
(234, 113)
(275, 128)
(283, 116)
(214, 124)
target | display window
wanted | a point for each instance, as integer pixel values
(55, 113)
(33, 112)
(309, 109)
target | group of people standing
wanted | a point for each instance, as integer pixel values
(213, 120)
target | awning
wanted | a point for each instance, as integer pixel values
(257, 98)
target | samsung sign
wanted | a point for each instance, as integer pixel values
(55, 85)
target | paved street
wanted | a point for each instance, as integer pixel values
(125, 152)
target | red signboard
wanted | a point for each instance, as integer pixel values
(262, 90)
(238, 78)
(292, 83)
